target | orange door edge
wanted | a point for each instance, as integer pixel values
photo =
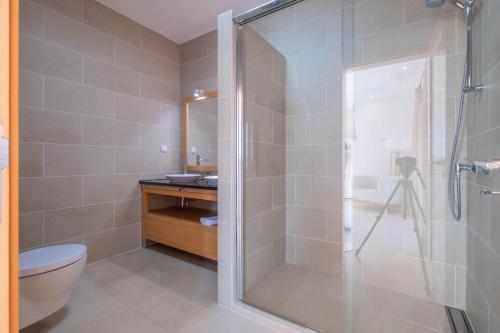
(13, 135)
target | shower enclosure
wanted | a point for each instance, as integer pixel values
(345, 122)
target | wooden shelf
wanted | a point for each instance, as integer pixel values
(189, 216)
(181, 228)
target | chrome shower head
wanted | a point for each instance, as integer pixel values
(434, 3)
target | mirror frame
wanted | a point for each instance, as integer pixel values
(185, 133)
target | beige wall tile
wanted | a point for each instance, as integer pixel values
(171, 72)
(71, 97)
(268, 93)
(160, 45)
(204, 68)
(264, 228)
(49, 193)
(137, 109)
(495, 96)
(31, 19)
(107, 132)
(31, 93)
(71, 8)
(211, 40)
(67, 223)
(320, 192)
(258, 52)
(258, 196)
(307, 222)
(48, 59)
(193, 49)
(48, 126)
(372, 17)
(127, 212)
(154, 136)
(262, 121)
(30, 230)
(112, 242)
(66, 32)
(410, 39)
(318, 255)
(111, 22)
(334, 226)
(104, 75)
(258, 266)
(106, 188)
(30, 159)
(159, 90)
(171, 115)
(134, 58)
(279, 191)
(306, 98)
(128, 160)
(66, 160)
(487, 269)
(477, 307)
(314, 8)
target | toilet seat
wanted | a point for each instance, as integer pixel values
(46, 259)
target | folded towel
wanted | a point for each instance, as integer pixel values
(209, 221)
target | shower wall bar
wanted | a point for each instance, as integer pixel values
(263, 10)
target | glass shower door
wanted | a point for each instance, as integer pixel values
(408, 257)
(291, 61)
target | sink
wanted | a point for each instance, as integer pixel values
(212, 180)
(183, 177)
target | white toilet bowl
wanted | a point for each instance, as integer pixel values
(46, 277)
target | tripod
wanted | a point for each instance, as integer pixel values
(409, 195)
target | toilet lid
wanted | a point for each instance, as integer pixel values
(49, 258)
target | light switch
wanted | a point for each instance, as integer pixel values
(163, 148)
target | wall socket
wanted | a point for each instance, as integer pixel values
(163, 148)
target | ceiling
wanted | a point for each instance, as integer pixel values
(179, 20)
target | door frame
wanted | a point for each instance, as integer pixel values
(9, 223)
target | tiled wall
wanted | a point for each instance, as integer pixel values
(313, 126)
(99, 93)
(199, 64)
(483, 131)
(264, 182)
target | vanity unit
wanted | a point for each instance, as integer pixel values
(178, 225)
(171, 208)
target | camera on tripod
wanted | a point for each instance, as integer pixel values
(408, 165)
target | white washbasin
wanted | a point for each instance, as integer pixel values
(212, 180)
(183, 177)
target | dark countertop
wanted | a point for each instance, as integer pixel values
(165, 182)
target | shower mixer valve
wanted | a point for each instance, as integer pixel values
(478, 167)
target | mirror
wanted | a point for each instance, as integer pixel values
(200, 132)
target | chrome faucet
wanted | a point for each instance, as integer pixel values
(199, 159)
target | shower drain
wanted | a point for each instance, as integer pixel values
(459, 321)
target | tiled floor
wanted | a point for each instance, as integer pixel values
(311, 298)
(153, 290)
(315, 300)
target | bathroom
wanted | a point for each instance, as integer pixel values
(250, 166)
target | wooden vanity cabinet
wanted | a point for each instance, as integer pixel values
(177, 226)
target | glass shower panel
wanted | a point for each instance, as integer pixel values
(293, 164)
(402, 81)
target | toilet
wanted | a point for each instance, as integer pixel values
(46, 277)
